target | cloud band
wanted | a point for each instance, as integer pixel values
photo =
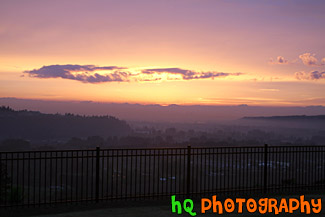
(90, 73)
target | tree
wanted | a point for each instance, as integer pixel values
(15, 145)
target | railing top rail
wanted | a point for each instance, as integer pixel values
(92, 150)
(163, 148)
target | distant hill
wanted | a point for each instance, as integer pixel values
(158, 113)
(289, 118)
(34, 125)
(292, 121)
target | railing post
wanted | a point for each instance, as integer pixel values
(97, 173)
(188, 177)
(265, 168)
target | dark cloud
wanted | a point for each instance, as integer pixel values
(189, 74)
(279, 60)
(314, 75)
(83, 75)
(89, 73)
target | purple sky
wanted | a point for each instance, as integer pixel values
(269, 53)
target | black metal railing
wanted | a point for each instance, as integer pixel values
(47, 177)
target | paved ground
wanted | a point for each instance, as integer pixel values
(160, 211)
(134, 209)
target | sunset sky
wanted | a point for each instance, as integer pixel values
(164, 51)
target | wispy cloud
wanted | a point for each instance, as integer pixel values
(314, 75)
(91, 74)
(269, 90)
(188, 74)
(307, 59)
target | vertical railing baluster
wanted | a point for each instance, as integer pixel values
(97, 173)
(265, 167)
(188, 178)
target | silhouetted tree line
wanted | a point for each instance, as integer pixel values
(168, 138)
(31, 125)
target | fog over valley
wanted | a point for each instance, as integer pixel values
(86, 125)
